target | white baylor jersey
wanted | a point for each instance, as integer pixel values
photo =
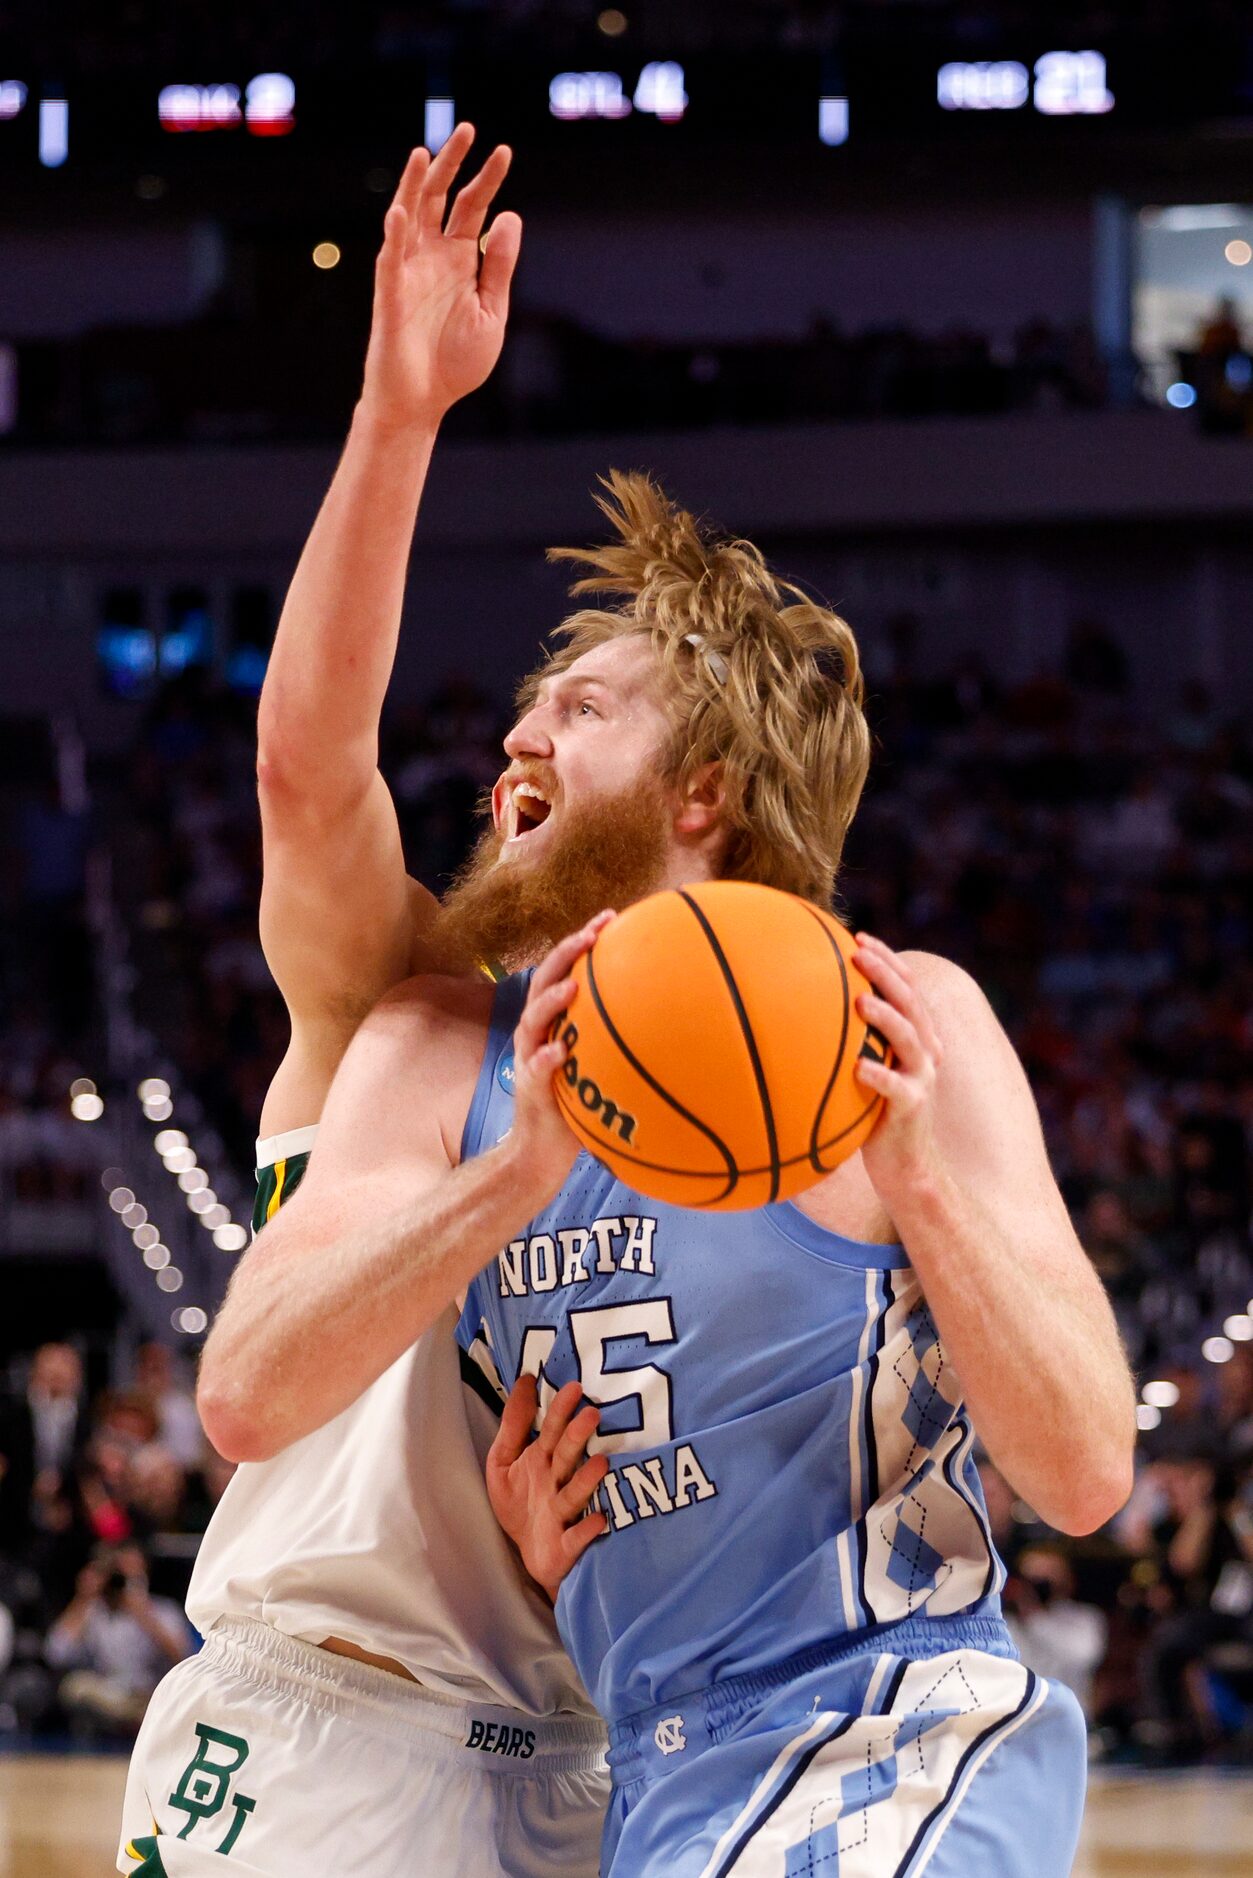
(377, 1529)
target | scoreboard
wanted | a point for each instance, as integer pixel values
(876, 91)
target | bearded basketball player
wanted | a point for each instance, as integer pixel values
(381, 1690)
(786, 1604)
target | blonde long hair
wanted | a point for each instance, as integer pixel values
(756, 677)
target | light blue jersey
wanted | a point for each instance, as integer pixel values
(791, 1459)
(793, 1622)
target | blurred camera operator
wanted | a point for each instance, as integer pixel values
(1204, 1553)
(115, 1642)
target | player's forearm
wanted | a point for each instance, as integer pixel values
(1041, 1367)
(331, 1296)
(336, 640)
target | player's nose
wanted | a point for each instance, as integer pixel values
(529, 736)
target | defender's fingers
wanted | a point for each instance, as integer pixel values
(903, 1036)
(560, 1410)
(516, 1422)
(572, 1447)
(389, 264)
(889, 1083)
(892, 979)
(564, 953)
(469, 211)
(439, 178)
(409, 188)
(575, 1542)
(539, 1012)
(501, 247)
(575, 1495)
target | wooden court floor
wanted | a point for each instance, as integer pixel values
(58, 1815)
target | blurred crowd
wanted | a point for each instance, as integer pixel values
(299, 374)
(47, 984)
(1218, 368)
(1090, 865)
(103, 1497)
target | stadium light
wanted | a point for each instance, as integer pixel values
(833, 121)
(54, 132)
(438, 120)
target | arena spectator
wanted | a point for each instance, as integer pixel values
(172, 1404)
(1056, 1634)
(1203, 1550)
(41, 1435)
(114, 1642)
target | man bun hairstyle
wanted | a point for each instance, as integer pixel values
(757, 678)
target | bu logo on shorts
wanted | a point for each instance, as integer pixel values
(205, 1782)
(669, 1735)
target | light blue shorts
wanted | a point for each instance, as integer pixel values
(932, 1750)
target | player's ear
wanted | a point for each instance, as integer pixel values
(702, 803)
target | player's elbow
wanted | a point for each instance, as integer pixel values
(1093, 1496)
(233, 1415)
(229, 1430)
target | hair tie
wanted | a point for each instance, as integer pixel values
(714, 660)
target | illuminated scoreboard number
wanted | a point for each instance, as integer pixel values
(1066, 84)
(266, 107)
(660, 92)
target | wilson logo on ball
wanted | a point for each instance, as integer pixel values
(589, 1093)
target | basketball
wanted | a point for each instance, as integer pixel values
(712, 1047)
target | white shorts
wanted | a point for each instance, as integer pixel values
(292, 1762)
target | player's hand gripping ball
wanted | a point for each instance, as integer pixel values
(712, 1044)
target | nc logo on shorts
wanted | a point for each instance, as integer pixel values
(507, 1075)
(669, 1735)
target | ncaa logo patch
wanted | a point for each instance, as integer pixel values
(669, 1735)
(506, 1074)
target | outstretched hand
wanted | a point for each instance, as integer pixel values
(440, 300)
(540, 1489)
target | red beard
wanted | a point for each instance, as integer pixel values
(611, 852)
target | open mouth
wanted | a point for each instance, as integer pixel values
(527, 808)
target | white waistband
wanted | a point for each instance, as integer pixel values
(503, 1739)
(272, 1148)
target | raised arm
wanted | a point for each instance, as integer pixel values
(339, 917)
(960, 1163)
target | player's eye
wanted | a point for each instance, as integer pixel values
(586, 708)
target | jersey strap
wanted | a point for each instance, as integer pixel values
(281, 1163)
(497, 1064)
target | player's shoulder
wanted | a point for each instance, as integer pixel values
(428, 1017)
(435, 997)
(956, 1001)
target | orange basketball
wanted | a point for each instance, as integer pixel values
(712, 1046)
